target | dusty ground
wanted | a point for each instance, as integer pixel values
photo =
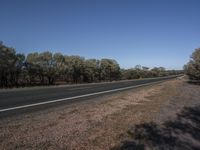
(103, 123)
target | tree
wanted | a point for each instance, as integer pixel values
(68, 71)
(110, 69)
(91, 70)
(19, 67)
(76, 68)
(34, 68)
(8, 61)
(129, 74)
(193, 67)
(145, 72)
(158, 71)
(42, 66)
(59, 65)
(47, 63)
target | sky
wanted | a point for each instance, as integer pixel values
(146, 32)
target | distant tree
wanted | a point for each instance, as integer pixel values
(130, 74)
(145, 72)
(158, 71)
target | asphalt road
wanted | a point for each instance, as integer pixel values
(11, 100)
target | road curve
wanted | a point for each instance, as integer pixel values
(17, 99)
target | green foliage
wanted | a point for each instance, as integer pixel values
(110, 69)
(193, 67)
(10, 66)
(91, 70)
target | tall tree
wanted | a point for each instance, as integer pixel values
(59, 65)
(77, 66)
(193, 66)
(110, 69)
(19, 67)
(47, 63)
(34, 68)
(91, 73)
(8, 61)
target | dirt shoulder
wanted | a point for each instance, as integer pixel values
(97, 124)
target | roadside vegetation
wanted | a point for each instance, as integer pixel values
(46, 68)
(192, 68)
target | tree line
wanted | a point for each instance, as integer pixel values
(192, 68)
(47, 68)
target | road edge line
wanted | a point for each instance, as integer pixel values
(75, 97)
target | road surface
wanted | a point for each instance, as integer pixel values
(13, 100)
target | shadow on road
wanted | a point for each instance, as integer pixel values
(183, 133)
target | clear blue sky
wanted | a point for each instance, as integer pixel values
(146, 32)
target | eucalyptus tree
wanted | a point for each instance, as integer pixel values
(47, 63)
(158, 72)
(76, 68)
(193, 67)
(19, 65)
(138, 71)
(68, 70)
(110, 69)
(34, 68)
(7, 66)
(59, 65)
(91, 70)
(129, 74)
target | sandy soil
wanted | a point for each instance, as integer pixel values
(96, 124)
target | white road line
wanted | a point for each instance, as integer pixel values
(75, 97)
